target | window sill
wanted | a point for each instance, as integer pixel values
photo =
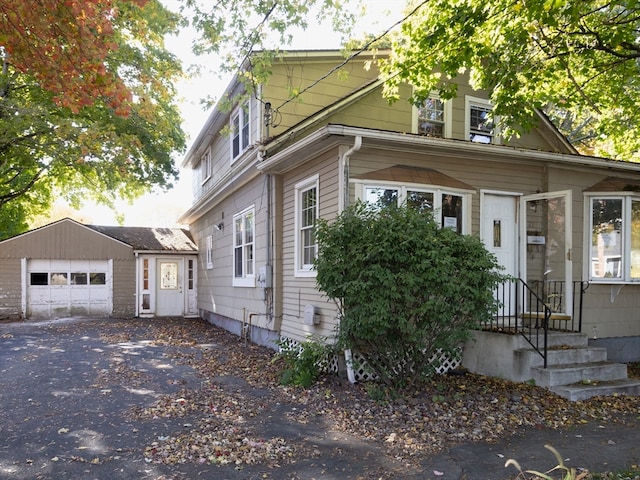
(247, 282)
(305, 273)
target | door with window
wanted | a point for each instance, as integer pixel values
(169, 287)
(546, 232)
(500, 236)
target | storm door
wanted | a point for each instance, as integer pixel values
(546, 233)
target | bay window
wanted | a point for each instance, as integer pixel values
(450, 209)
(614, 246)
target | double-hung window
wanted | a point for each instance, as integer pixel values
(240, 130)
(480, 123)
(614, 244)
(244, 248)
(205, 166)
(306, 211)
(433, 118)
(449, 208)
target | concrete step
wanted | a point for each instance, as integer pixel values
(585, 390)
(563, 356)
(568, 374)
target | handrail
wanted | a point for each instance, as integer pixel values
(534, 320)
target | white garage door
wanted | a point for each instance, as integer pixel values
(68, 288)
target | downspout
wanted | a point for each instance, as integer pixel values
(357, 144)
(262, 154)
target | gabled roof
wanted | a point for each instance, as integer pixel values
(138, 238)
(150, 238)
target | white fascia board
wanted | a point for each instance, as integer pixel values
(412, 143)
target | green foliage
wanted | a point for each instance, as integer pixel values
(93, 152)
(303, 362)
(574, 56)
(405, 288)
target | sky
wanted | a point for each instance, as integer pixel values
(162, 209)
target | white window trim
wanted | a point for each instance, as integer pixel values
(205, 166)
(244, 114)
(470, 101)
(301, 270)
(437, 191)
(626, 198)
(209, 252)
(448, 116)
(246, 280)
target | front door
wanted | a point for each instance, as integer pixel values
(499, 234)
(546, 230)
(169, 285)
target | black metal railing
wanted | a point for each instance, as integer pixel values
(531, 310)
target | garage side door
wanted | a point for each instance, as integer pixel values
(68, 288)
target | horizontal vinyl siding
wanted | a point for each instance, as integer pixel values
(216, 292)
(124, 288)
(66, 241)
(10, 288)
(288, 78)
(299, 291)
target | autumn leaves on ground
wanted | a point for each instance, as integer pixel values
(240, 390)
(178, 398)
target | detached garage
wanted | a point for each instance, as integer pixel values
(68, 269)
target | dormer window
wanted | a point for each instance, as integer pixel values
(240, 130)
(480, 124)
(432, 118)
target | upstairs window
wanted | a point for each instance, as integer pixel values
(431, 118)
(244, 249)
(205, 166)
(240, 130)
(306, 208)
(480, 123)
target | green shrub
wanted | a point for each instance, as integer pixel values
(303, 362)
(405, 288)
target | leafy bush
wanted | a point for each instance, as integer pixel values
(404, 287)
(302, 362)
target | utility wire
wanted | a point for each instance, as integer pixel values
(353, 55)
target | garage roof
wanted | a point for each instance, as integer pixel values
(150, 238)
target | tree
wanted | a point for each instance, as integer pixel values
(579, 59)
(85, 140)
(404, 287)
(247, 34)
(63, 46)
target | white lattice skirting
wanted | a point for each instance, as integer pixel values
(358, 363)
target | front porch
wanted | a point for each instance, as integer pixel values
(533, 338)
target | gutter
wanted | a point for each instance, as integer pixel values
(410, 142)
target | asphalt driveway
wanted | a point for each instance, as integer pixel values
(78, 400)
(180, 399)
